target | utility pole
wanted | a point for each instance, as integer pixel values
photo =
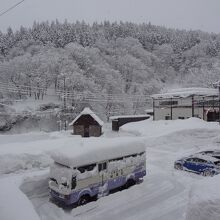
(218, 102)
(217, 85)
(193, 105)
(171, 109)
(64, 104)
(153, 109)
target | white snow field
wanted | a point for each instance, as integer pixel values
(165, 193)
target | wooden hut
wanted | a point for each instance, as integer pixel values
(87, 124)
(118, 121)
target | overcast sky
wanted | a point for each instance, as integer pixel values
(182, 14)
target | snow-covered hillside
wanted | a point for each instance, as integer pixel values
(112, 67)
(165, 193)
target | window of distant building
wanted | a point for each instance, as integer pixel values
(181, 118)
(168, 103)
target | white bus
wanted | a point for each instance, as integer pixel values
(90, 168)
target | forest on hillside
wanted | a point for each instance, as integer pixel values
(112, 67)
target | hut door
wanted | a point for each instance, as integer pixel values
(86, 132)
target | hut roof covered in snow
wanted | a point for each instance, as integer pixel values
(88, 151)
(187, 92)
(88, 111)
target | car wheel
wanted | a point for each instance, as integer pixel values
(207, 173)
(178, 166)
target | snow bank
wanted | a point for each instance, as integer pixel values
(24, 138)
(150, 128)
(205, 200)
(28, 151)
(91, 150)
(10, 163)
(33, 147)
(14, 205)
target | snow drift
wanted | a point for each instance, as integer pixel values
(150, 128)
(204, 201)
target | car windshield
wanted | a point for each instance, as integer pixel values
(207, 152)
(217, 163)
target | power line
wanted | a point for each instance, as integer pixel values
(72, 94)
(12, 7)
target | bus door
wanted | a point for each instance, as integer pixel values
(102, 168)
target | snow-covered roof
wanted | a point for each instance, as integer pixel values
(187, 92)
(93, 150)
(128, 116)
(149, 110)
(88, 111)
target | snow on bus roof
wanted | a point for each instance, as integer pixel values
(88, 111)
(92, 150)
(187, 92)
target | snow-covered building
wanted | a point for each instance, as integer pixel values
(87, 124)
(118, 121)
(185, 103)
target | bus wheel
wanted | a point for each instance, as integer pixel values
(129, 183)
(84, 200)
(94, 198)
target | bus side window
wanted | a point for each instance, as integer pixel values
(73, 182)
(102, 166)
(89, 167)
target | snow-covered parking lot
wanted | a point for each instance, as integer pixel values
(165, 193)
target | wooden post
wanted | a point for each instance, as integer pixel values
(171, 109)
(213, 103)
(192, 105)
(203, 108)
(219, 102)
(153, 109)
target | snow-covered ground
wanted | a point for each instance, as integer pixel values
(165, 193)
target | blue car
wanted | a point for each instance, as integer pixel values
(200, 164)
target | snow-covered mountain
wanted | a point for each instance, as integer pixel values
(111, 67)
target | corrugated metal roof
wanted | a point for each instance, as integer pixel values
(187, 92)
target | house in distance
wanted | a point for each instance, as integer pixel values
(87, 124)
(184, 103)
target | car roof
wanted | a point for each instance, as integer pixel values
(205, 157)
(210, 151)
